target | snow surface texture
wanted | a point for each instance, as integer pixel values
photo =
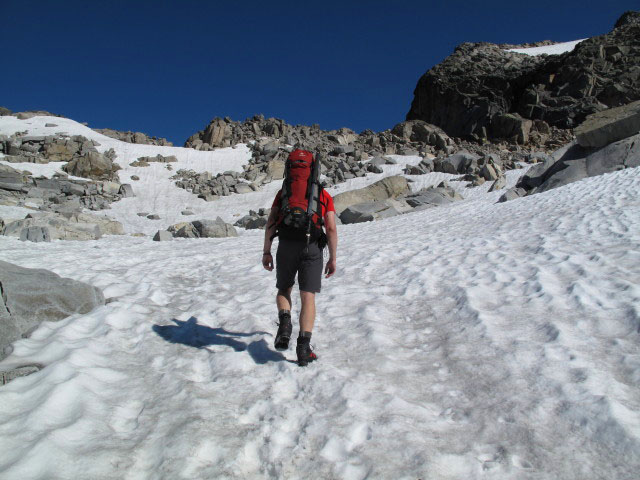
(469, 341)
(555, 49)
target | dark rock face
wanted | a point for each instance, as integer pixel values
(468, 94)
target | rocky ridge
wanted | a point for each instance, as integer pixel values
(59, 193)
(343, 153)
(483, 91)
(134, 137)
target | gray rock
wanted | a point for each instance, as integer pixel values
(92, 165)
(66, 226)
(214, 228)
(7, 376)
(126, 190)
(499, 184)
(488, 172)
(512, 194)
(367, 212)
(390, 187)
(50, 125)
(251, 222)
(512, 127)
(187, 230)
(343, 149)
(434, 196)
(153, 216)
(243, 188)
(608, 126)
(162, 236)
(32, 296)
(35, 234)
(187, 212)
(142, 214)
(455, 164)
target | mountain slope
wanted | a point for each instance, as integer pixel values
(475, 340)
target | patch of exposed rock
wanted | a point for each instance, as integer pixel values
(599, 150)
(83, 160)
(29, 297)
(217, 228)
(484, 91)
(134, 137)
(47, 226)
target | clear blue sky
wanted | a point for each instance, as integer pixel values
(167, 68)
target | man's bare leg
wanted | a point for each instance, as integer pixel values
(283, 299)
(307, 311)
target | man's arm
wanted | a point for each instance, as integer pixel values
(269, 231)
(332, 242)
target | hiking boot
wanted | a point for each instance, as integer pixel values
(304, 352)
(284, 332)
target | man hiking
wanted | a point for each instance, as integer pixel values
(298, 213)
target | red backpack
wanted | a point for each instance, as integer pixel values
(300, 215)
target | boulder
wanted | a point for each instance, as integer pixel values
(92, 165)
(367, 212)
(61, 151)
(575, 162)
(251, 222)
(186, 230)
(214, 228)
(455, 164)
(512, 194)
(499, 184)
(275, 168)
(432, 196)
(602, 128)
(243, 188)
(35, 234)
(389, 187)
(511, 127)
(63, 226)
(126, 190)
(32, 296)
(162, 236)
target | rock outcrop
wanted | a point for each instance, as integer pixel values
(389, 187)
(608, 126)
(47, 226)
(217, 228)
(134, 137)
(29, 297)
(598, 150)
(485, 91)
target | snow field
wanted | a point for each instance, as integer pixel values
(476, 340)
(555, 49)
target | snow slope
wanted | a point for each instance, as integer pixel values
(476, 341)
(555, 49)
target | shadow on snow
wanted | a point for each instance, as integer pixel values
(192, 334)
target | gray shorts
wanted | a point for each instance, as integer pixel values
(291, 259)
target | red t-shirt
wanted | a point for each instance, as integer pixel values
(326, 202)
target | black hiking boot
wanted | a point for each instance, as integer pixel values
(304, 352)
(284, 332)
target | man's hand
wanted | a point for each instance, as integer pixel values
(330, 269)
(267, 261)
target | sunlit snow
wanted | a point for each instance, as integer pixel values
(476, 340)
(555, 49)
